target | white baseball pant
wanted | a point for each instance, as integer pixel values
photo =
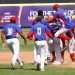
(60, 31)
(57, 48)
(14, 46)
(47, 52)
(40, 52)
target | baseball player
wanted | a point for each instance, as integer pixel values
(69, 24)
(9, 37)
(39, 31)
(59, 12)
(54, 26)
(43, 21)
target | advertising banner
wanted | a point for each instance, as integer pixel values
(6, 12)
(30, 11)
(26, 12)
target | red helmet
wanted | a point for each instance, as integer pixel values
(13, 19)
(55, 6)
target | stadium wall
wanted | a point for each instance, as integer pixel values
(25, 11)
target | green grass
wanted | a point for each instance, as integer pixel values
(29, 46)
(30, 69)
(23, 47)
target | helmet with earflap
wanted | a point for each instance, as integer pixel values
(13, 19)
(55, 6)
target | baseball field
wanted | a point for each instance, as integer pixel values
(68, 68)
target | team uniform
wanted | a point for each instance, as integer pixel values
(69, 24)
(10, 31)
(39, 31)
(54, 26)
(47, 52)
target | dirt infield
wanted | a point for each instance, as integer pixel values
(5, 58)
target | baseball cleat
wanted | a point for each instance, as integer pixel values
(46, 62)
(56, 63)
(22, 64)
(38, 67)
(12, 66)
(42, 70)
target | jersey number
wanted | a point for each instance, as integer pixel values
(39, 31)
(10, 31)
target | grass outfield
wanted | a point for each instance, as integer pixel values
(30, 69)
(29, 46)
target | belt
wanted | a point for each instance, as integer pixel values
(39, 39)
(9, 37)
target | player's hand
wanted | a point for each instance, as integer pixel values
(4, 45)
(25, 41)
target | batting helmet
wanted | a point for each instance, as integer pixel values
(55, 6)
(13, 19)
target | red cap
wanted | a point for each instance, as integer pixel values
(55, 6)
(13, 19)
